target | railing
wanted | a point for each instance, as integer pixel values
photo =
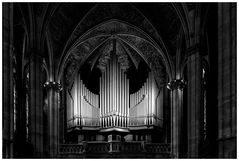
(132, 147)
(119, 147)
(72, 149)
(158, 148)
(97, 147)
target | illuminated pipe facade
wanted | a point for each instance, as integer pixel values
(114, 106)
(83, 106)
(114, 99)
(146, 105)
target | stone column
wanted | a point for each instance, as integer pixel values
(53, 89)
(62, 115)
(7, 124)
(36, 104)
(176, 88)
(227, 80)
(195, 101)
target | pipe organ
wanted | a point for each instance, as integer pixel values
(114, 106)
(145, 105)
(83, 105)
(114, 91)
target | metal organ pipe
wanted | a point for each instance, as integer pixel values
(127, 102)
(78, 98)
(84, 104)
(75, 100)
(111, 88)
(113, 91)
(115, 102)
(117, 92)
(91, 96)
(102, 91)
(123, 100)
(104, 105)
(151, 99)
(81, 100)
(120, 110)
(114, 99)
(101, 102)
(108, 97)
(144, 102)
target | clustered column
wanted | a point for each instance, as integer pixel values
(7, 80)
(36, 104)
(226, 81)
(176, 87)
(53, 89)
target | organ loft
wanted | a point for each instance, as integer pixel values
(115, 112)
(119, 80)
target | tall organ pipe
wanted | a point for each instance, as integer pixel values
(101, 99)
(78, 98)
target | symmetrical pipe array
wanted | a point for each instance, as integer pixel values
(114, 106)
(114, 95)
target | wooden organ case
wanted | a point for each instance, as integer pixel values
(114, 111)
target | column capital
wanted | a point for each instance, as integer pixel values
(176, 84)
(53, 85)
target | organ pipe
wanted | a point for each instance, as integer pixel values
(78, 96)
(82, 104)
(101, 99)
(114, 106)
(143, 103)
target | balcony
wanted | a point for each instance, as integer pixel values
(114, 148)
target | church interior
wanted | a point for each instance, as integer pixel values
(119, 80)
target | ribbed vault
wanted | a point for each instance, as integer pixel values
(94, 27)
(136, 44)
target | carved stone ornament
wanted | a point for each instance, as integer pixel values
(53, 85)
(176, 84)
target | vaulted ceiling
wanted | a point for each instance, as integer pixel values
(73, 30)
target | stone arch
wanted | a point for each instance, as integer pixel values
(130, 35)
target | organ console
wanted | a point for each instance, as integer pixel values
(114, 106)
